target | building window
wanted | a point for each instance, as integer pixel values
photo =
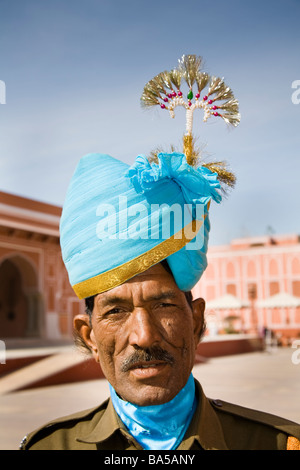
(296, 288)
(252, 291)
(231, 289)
(274, 288)
(51, 298)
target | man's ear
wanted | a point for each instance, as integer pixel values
(85, 334)
(198, 308)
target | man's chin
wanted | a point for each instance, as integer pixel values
(147, 390)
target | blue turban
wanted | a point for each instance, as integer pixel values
(118, 221)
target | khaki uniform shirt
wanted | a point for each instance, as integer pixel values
(216, 425)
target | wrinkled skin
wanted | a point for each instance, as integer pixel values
(144, 334)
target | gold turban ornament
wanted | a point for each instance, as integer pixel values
(212, 95)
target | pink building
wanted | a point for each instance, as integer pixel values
(254, 283)
(36, 300)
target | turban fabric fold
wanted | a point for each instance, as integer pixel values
(119, 220)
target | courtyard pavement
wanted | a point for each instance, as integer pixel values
(267, 381)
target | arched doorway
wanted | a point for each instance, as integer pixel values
(19, 299)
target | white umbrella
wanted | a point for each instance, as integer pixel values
(280, 300)
(228, 301)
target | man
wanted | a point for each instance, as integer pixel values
(141, 324)
(134, 242)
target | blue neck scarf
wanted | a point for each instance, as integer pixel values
(158, 427)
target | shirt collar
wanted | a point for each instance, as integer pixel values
(108, 424)
(205, 427)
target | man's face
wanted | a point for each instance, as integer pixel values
(144, 335)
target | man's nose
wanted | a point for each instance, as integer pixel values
(144, 330)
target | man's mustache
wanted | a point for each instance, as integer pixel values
(155, 353)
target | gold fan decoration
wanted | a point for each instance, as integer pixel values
(217, 100)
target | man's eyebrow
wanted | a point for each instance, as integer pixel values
(170, 294)
(113, 299)
(116, 299)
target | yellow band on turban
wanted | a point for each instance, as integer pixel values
(117, 276)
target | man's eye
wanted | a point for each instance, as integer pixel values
(115, 310)
(166, 305)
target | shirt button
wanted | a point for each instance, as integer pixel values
(22, 443)
(217, 403)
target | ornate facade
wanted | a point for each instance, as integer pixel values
(36, 300)
(254, 283)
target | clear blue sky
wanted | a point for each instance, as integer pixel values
(74, 72)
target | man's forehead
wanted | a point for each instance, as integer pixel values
(154, 283)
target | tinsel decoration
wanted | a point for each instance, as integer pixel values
(226, 177)
(165, 90)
